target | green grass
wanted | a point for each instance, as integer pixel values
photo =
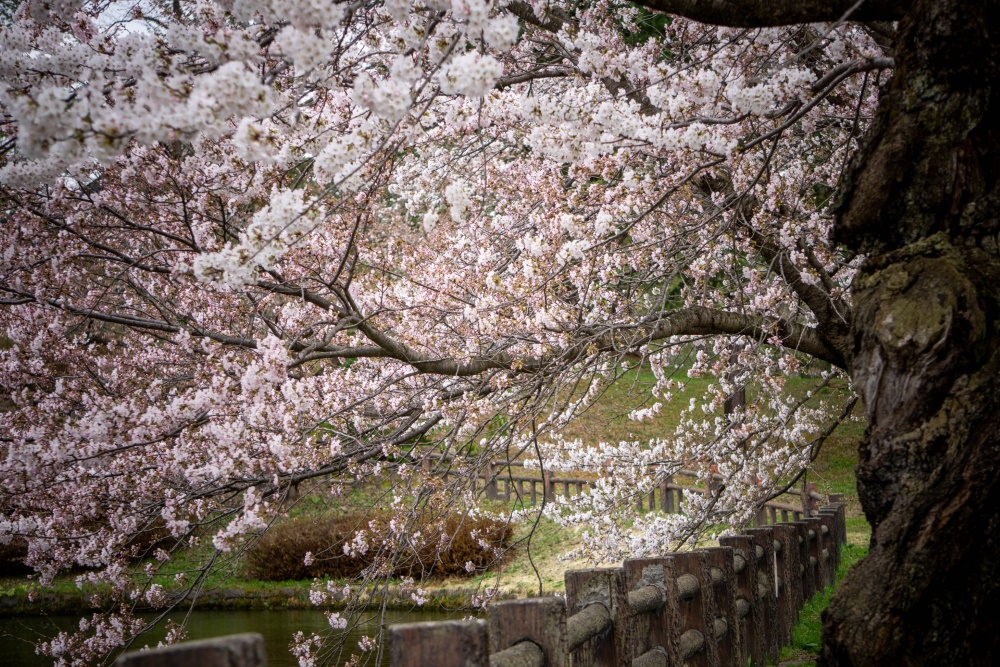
(607, 419)
(808, 631)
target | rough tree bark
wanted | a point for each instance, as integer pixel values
(922, 201)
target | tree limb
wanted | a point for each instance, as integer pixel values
(620, 339)
(772, 13)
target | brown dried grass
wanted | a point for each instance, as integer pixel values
(443, 549)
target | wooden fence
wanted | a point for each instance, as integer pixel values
(715, 607)
(668, 495)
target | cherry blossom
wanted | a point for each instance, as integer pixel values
(253, 248)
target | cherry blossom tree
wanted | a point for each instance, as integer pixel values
(251, 246)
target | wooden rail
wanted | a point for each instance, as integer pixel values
(668, 495)
(719, 607)
(246, 650)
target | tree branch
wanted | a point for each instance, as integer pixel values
(772, 13)
(131, 321)
(533, 75)
(553, 21)
(621, 339)
(828, 311)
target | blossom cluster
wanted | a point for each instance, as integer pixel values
(253, 249)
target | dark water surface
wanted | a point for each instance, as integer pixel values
(18, 634)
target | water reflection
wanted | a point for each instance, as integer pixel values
(19, 634)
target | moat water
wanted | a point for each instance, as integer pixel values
(18, 635)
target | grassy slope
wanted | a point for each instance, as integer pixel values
(833, 470)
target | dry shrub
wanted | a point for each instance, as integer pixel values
(280, 553)
(12, 557)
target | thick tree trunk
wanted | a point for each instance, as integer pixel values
(923, 203)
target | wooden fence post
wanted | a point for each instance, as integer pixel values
(831, 545)
(828, 548)
(842, 518)
(441, 643)
(667, 495)
(817, 545)
(764, 539)
(694, 612)
(244, 650)
(724, 629)
(492, 472)
(790, 591)
(549, 486)
(597, 586)
(644, 629)
(835, 498)
(840, 525)
(833, 528)
(751, 612)
(806, 571)
(665, 626)
(518, 496)
(783, 619)
(540, 621)
(809, 503)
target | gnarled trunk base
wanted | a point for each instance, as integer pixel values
(929, 479)
(923, 202)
